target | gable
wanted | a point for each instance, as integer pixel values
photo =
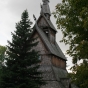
(40, 47)
(42, 22)
(46, 21)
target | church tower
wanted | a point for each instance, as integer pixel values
(53, 61)
(45, 9)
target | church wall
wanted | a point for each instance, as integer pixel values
(52, 38)
(58, 62)
(44, 53)
(66, 82)
(45, 60)
(48, 74)
(51, 84)
(40, 47)
(42, 23)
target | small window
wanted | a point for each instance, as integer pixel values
(46, 32)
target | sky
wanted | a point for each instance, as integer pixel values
(10, 14)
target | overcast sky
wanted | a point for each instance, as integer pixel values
(10, 14)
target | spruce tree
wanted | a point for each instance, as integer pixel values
(21, 69)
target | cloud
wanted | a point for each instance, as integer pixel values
(18, 6)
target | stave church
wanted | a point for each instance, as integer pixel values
(53, 61)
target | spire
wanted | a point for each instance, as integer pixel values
(45, 8)
(45, 1)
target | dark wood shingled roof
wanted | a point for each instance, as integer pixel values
(48, 22)
(53, 48)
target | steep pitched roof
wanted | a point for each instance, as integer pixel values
(54, 74)
(73, 86)
(48, 22)
(53, 48)
(59, 73)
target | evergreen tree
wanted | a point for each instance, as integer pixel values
(2, 55)
(21, 70)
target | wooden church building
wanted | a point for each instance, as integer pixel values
(53, 61)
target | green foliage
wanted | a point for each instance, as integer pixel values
(72, 19)
(2, 58)
(2, 53)
(21, 69)
(80, 75)
(2, 50)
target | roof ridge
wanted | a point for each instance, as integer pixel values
(59, 49)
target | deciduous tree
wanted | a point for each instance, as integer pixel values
(79, 75)
(72, 19)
